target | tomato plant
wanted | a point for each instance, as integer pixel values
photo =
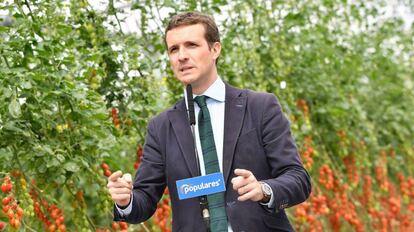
(77, 90)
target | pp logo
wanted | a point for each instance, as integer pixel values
(184, 188)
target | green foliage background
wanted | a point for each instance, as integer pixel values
(64, 65)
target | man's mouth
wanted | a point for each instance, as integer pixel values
(184, 69)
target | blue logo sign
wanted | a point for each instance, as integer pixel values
(201, 185)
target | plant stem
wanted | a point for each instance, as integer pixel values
(145, 227)
(5, 59)
(30, 10)
(28, 227)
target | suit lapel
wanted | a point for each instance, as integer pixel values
(181, 126)
(233, 120)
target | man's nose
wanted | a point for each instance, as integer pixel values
(182, 54)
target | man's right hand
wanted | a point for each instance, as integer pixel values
(120, 188)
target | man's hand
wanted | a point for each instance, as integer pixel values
(247, 186)
(120, 188)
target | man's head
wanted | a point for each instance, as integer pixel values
(193, 45)
(191, 18)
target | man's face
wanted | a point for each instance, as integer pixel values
(191, 59)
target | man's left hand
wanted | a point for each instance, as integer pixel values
(247, 186)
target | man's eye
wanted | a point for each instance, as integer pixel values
(193, 45)
(173, 50)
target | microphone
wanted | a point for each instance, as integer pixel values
(190, 103)
(205, 213)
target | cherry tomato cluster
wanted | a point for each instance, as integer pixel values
(120, 226)
(51, 216)
(307, 153)
(302, 105)
(351, 169)
(406, 186)
(10, 206)
(140, 153)
(391, 209)
(163, 213)
(326, 177)
(106, 170)
(342, 137)
(367, 191)
(6, 186)
(319, 204)
(115, 119)
(311, 210)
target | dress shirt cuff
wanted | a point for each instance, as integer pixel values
(268, 204)
(126, 211)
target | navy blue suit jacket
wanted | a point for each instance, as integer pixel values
(257, 137)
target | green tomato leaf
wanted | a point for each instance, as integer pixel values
(12, 127)
(7, 92)
(60, 179)
(26, 85)
(52, 163)
(60, 157)
(14, 109)
(71, 167)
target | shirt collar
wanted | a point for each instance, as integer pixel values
(216, 91)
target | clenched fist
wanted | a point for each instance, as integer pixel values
(120, 188)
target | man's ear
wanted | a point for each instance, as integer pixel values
(216, 48)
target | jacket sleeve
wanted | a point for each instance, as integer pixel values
(149, 183)
(291, 183)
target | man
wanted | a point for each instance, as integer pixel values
(252, 146)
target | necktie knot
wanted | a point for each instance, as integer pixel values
(201, 101)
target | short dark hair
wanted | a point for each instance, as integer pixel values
(191, 18)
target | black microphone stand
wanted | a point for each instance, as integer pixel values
(203, 199)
